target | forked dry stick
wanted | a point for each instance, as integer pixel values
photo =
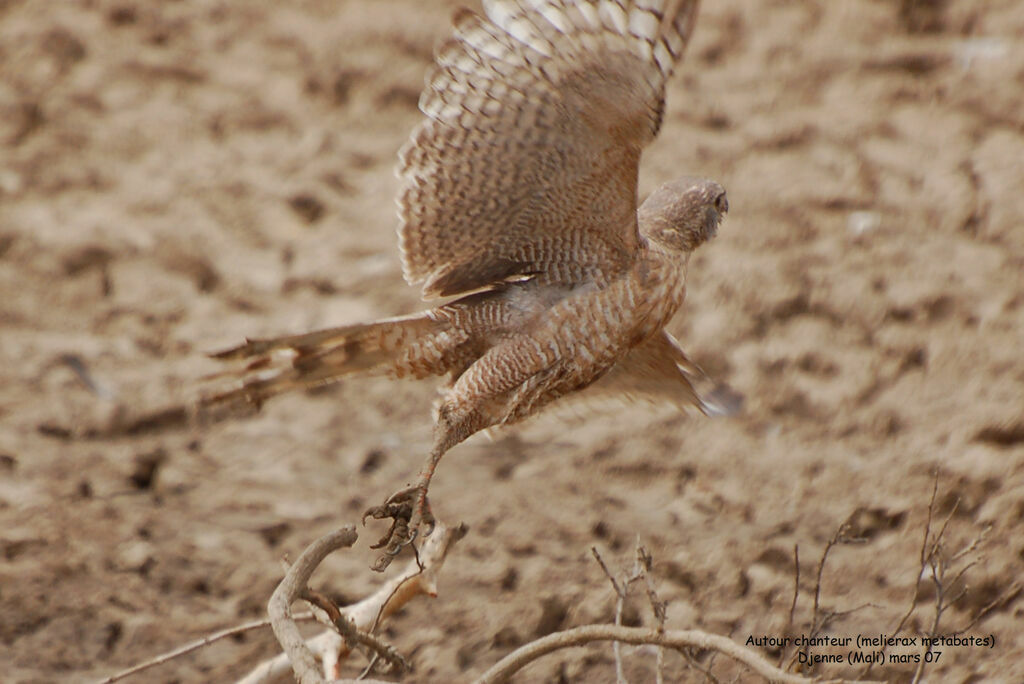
(621, 591)
(929, 562)
(920, 573)
(821, 619)
(418, 578)
(941, 563)
(307, 670)
(351, 634)
(642, 562)
(683, 641)
(658, 607)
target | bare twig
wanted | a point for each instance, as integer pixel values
(644, 562)
(678, 640)
(607, 572)
(937, 540)
(792, 606)
(347, 629)
(1001, 600)
(307, 671)
(940, 607)
(796, 585)
(367, 614)
(920, 572)
(620, 600)
(692, 661)
(947, 572)
(419, 577)
(821, 568)
(821, 619)
(941, 564)
(324, 646)
(196, 645)
(328, 646)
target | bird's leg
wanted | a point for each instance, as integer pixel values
(409, 510)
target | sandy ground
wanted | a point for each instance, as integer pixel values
(176, 176)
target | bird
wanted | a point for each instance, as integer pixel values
(518, 210)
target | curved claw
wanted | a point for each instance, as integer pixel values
(393, 543)
(376, 512)
(409, 511)
(382, 563)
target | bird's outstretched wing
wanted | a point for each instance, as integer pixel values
(658, 370)
(527, 161)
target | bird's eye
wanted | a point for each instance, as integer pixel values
(721, 203)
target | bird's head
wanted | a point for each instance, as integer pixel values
(683, 214)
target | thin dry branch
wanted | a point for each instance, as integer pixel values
(307, 670)
(324, 646)
(351, 634)
(821, 619)
(621, 590)
(1001, 600)
(920, 573)
(792, 606)
(796, 586)
(941, 563)
(838, 538)
(196, 645)
(419, 577)
(678, 640)
(658, 607)
(642, 563)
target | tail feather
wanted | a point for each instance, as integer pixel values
(281, 364)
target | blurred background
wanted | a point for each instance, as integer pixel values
(176, 176)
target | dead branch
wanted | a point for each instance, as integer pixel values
(678, 640)
(796, 586)
(821, 619)
(324, 646)
(941, 564)
(642, 563)
(291, 587)
(998, 602)
(352, 636)
(658, 607)
(792, 606)
(621, 591)
(920, 572)
(366, 615)
(196, 645)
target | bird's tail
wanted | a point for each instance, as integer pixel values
(408, 345)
